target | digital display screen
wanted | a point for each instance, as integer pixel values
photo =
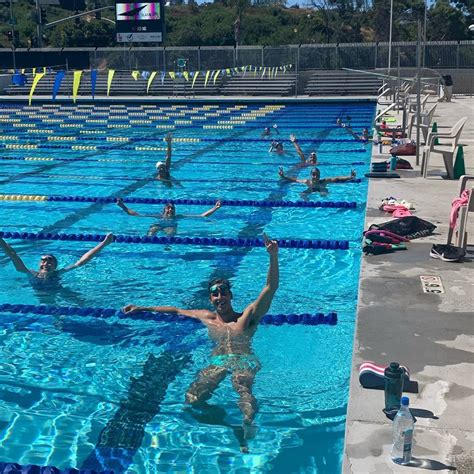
(137, 11)
(138, 22)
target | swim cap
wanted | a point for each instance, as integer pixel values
(159, 164)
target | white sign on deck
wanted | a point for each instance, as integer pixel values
(431, 284)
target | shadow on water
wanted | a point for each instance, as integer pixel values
(123, 435)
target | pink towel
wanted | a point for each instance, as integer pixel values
(456, 205)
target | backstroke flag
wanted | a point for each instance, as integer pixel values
(57, 83)
(75, 84)
(93, 82)
(36, 79)
(150, 80)
(109, 80)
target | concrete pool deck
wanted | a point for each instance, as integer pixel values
(430, 333)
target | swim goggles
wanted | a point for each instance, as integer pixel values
(48, 258)
(214, 290)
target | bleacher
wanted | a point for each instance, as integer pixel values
(342, 83)
(251, 84)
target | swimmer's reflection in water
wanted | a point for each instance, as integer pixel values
(232, 333)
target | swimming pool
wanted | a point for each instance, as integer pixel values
(99, 391)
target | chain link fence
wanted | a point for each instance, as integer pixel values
(436, 55)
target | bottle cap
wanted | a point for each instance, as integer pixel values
(405, 401)
(393, 371)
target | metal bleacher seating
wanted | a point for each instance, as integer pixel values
(251, 84)
(342, 83)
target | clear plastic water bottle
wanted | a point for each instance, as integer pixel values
(403, 426)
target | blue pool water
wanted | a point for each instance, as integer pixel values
(108, 393)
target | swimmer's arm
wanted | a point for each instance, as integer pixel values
(191, 313)
(211, 211)
(291, 179)
(261, 305)
(12, 255)
(297, 147)
(339, 179)
(126, 209)
(89, 255)
(169, 139)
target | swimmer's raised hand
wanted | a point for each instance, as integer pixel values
(292, 138)
(218, 204)
(271, 245)
(280, 172)
(131, 308)
(169, 137)
(109, 238)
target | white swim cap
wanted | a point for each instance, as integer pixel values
(159, 164)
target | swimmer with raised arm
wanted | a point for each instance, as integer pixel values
(311, 160)
(232, 333)
(48, 266)
(163, 169)
(315, 183)
(168, 217)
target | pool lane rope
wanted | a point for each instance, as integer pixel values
(103, 313)
(198, 202)
(185, 180)
(206, 241)
(63, 138)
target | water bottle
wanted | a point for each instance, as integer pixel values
(403, 427)
(393, 376)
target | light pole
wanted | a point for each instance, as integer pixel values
(390, 38)
(12, 22)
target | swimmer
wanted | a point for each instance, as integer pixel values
(231, 332)
(312, 160)
(276, 146)
(315, 183)
(338, 121)
(48, 266)
(267, 131)
(168, 217)
(163, 169)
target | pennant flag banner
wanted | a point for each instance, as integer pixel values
(196, 74)
(57, 83)
(150, 80)
(213, 75)
(109, 80)
(206, 78)
(75, 84)
(93, 82)
(36, 79)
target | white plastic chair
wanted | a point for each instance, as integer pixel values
(466, 182)
(447, 150)
(426, 118)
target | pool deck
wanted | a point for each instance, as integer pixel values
(430, 333)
